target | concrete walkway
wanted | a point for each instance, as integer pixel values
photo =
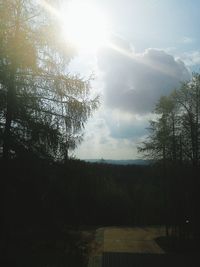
(131, 240)
(124, 240)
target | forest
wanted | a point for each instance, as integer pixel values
(46, 195)
(42, 202)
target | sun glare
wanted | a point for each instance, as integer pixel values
(84, 25)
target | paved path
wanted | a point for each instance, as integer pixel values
(135, 247)
(131, 240)
(112, 242)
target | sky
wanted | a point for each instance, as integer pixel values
(156, 45)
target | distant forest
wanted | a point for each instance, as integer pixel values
(37, 193)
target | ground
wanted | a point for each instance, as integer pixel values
(126, 239)
(125, 246)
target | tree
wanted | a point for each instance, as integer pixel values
(176, 130)
(42, 108)
(188, 101)
(174, 140)
(162, 134)
(161, 145)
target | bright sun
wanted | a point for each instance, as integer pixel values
(84, 25)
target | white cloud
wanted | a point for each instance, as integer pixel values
(113, 134)
(187, 40)
(131, 83)
(191, 58)
(134, 82)
(124, 125)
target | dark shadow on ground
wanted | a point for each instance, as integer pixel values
(155, 260)
(178, 245)
(42, 251)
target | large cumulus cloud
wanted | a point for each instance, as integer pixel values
(134, 82)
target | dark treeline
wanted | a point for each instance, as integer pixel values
(41, 194)
(38, 194)
(42, 200)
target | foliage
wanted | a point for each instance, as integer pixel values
(42, 108)
(175, 134)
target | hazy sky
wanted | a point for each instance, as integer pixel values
(158, 45)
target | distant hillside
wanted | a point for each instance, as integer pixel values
(120, 162)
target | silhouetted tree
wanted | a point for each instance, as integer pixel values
(188, 102)
(42, 108)
(174, 140)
